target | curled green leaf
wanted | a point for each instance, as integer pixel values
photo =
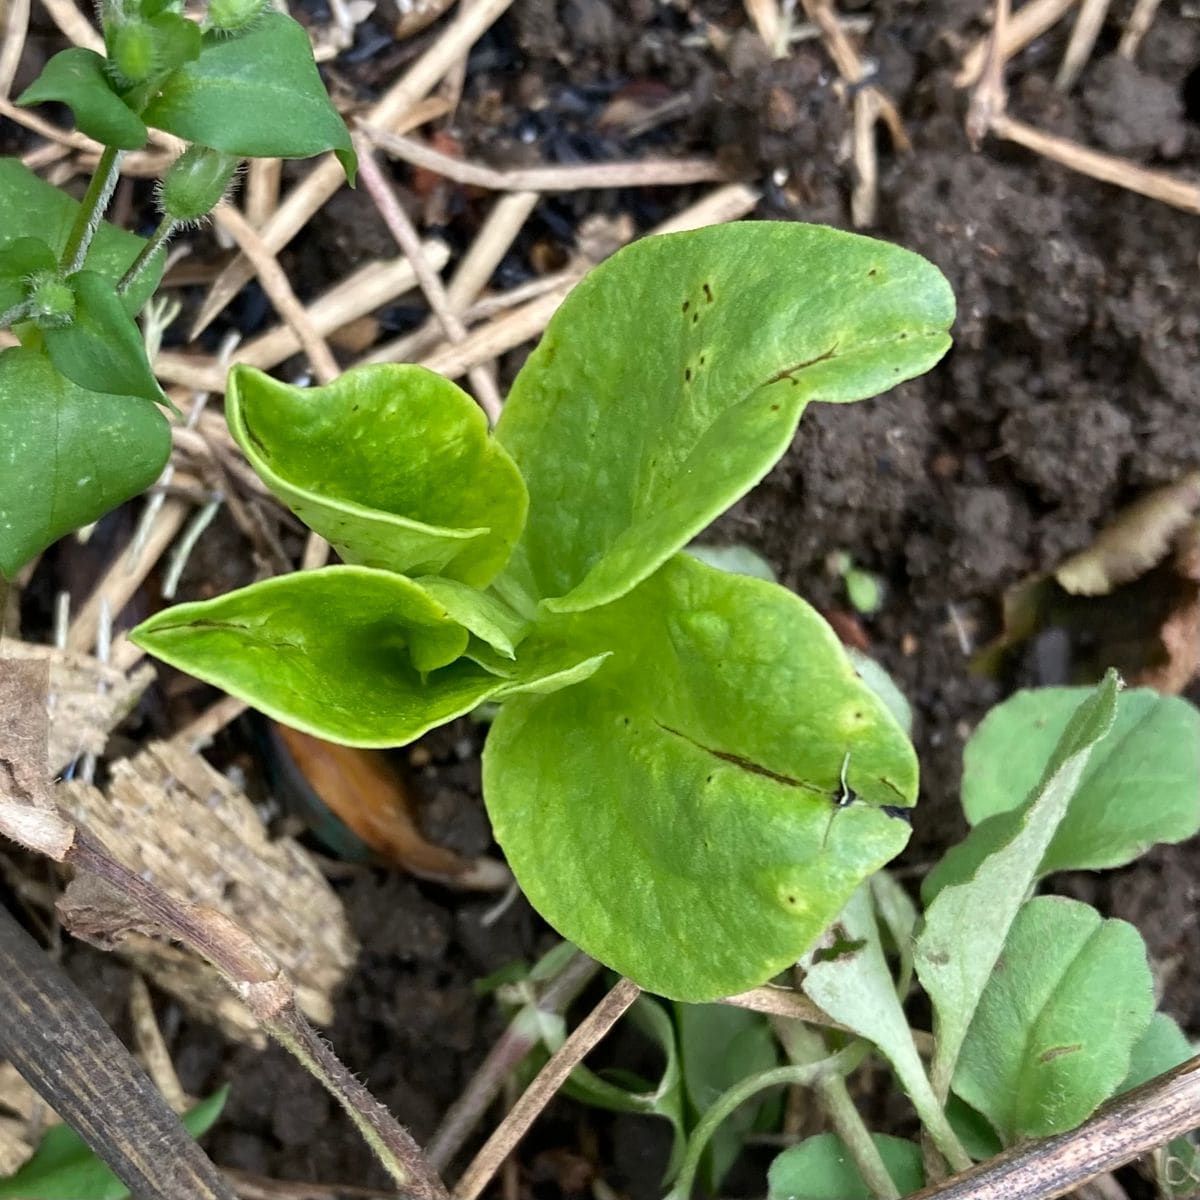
(78, 78)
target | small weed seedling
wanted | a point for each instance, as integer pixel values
(81, 426)
(672, 739)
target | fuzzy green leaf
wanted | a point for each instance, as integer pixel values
(19, 259)
(1052, 1036)
(1142, 786)
(820, 1168)
(78, 79)
(64, 1168)
(257, 94)
(674, 815)
(351, 654)
(33, 208)
(393, 464)
(102, 348)
(67, 455)
(966, 925)
(673, 376)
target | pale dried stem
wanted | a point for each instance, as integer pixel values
(316, 552)
(326, 177)
(665, 172)
(864, 198)
(261, 196)
(767, 21)
(39, 125)
(275, 283)
(43, 156)
(74, 24)
(409, 241)
(121, 581)
(1140, 21)
(1158, 185)
(201, 730)
(496, 235)
(1029, 22)
(151, 1047)
(1124, 1129)
(989, 99)
(543, 1089)
(367, 289)
(782, 1002)
(509, 1050)
(15, 25)
(1087, 28)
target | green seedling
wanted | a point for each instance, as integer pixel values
(81, 421)
(687, 774)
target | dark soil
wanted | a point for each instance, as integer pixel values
(1073, 384)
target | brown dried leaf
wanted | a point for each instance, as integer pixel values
(1138, 539)
(1180, 631)
(170, 817)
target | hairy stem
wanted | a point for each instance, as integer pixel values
(18, 312)
(91, 211)
(160, 237)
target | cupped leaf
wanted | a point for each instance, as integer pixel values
(64, 1168)
(101, 349)
(673, 376)
(675, 815)
(257, 95)
(484, 615)
(78, 79)
(349, 654)
(821, 1168)
(1141, 786)
(1052, 1036)
(966, 925)
(67, 455)
(393, 464)
(33, 208)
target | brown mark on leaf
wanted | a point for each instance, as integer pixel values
(788, 372)
(1058, 1051)
(744, 764)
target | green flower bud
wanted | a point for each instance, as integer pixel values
(132, 51)
(234, 16)
(195, 183)
(53, 300)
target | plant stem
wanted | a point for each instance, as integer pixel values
(805, 1075)
(804, 1045)
(91, 210)
(18, 312)
(157, 241)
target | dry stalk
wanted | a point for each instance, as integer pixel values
(990, 97)
(1029, 22)
(543, 1088)
(326, 177)
(664, 172)
(1083, 39)
(74, 24)
(409, 241)
(1140, 21)
(261, 195)
(15, 25)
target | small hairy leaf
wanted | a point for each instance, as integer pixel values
(20, 259)
(1052, 1035)
(673, 376)
(820, 1168)
(33, 208)
(67, 455)
(1141, 786)
(393, 464)
(351, 654)
(683, 798)
(63, 1168)
(966, 925)
(78, 79)
(102, 348)
(257, 95)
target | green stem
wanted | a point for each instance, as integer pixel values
(157, 241)
(805, 1075)
(804, 1046)
(91, 210)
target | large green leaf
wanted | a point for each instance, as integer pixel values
(1141, 786)
(672, 378)
(67, 455)
(966, 925)
(675, 815)
(64, 1168)
(820, 1168)
(78, 78)
(33, 208)
(1052, 1036)
(101, 348)
(393, 464)
(256, 94)
(352, 654)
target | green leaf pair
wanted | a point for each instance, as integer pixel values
(251, 93)
(687, 774)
